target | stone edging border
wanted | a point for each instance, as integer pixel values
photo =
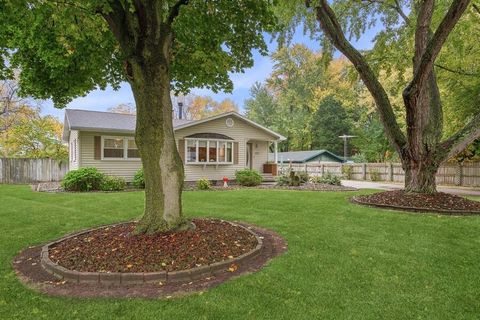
(129, 278)
(445, 212)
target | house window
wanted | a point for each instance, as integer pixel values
(208, 151)
(212, 151)
(113, 148)
(202, 151)
(123, 148)
(132, 150)
(192, 151)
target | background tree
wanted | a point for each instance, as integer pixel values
(330, 121)
(65, 49)
(24, 132)
(261, 107)
(201, 107)
(421, 33)
(123, 108)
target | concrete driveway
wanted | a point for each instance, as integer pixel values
(463, 191)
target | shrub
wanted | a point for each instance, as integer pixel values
(248, 178)
(327, 178)
(203, 184)
(292, 178)
(303, 175)
(84, 179)
(112, 183)
(374, 175)
(347, 172)
(138, 179)
(282, 180)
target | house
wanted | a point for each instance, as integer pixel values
(305, 156)
(210, 148)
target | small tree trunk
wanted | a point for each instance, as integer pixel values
(163, 169)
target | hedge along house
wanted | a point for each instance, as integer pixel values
(211, 148)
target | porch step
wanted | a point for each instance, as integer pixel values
(267, 177)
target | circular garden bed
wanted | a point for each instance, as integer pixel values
(440, 202)
(109, 261)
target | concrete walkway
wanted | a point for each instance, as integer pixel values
(463, 191)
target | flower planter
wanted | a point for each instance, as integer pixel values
(270, 168)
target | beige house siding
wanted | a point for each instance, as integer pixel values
(241, 132)
(121, 168)
(74, 155)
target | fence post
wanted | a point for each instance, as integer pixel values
(459, 175)
(322, 170)
(364, 171)
(390, 171)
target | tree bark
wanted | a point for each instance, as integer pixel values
(145, 37)
(162, 165)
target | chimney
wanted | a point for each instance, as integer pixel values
(180, 110)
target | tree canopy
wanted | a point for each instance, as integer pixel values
(66, 49)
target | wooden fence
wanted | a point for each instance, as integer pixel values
(31, 170)
(467, 174)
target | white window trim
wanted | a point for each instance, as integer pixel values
(208, 162)
(125, 149)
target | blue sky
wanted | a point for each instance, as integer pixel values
(102, 100)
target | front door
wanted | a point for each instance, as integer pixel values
(249, 157)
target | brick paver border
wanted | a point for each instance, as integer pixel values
(129, 278)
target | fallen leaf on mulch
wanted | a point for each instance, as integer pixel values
(118, 249)
(436, 201)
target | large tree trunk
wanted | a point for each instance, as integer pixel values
(162, 165)
(420, 175)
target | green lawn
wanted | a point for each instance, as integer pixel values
(343, 262)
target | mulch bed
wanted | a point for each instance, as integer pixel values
(303, 187)
(310, 187)
(117, 249)
(30, 272)
(439, 202)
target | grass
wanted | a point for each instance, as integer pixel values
(344, 261)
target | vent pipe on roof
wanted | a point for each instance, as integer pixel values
(180, 110)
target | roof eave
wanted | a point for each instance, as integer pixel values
(236, 114)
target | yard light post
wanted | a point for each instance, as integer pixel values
(345, 138)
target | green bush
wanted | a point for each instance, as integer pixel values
(303, 175)
(292, 178)
(374, 175)
(327, 178)
(112, 183)
(84, 179)
(347, 172)
(203, 184)
(248, 178)
(283, 180)
(138, 179)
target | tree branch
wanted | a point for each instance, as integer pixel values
(433, 48)
(117, 21)
(460, 140)
(175, 10)
(395, 7)
(333, 30)
(458, 71)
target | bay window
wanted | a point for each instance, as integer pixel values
(208, 151)
(212, 151)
